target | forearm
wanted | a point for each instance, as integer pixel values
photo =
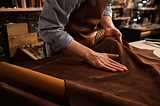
(78, 50)
(110, 29)
(99, 60)
(106, 22)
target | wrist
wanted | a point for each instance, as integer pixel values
(89, 55)
(78, 50)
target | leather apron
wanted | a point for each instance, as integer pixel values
(83, 21)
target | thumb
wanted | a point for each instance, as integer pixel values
(120, 40)
(113, 55)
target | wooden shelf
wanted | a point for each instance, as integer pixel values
(20, 9)
(116, 7)
(121, 18)
(145, 9)
(147, 27)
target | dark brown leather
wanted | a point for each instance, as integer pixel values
(84, 20)
(90, 86)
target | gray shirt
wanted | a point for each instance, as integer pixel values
(54, 16)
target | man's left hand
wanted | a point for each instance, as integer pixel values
(114, 32)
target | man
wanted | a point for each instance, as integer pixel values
(70, 26)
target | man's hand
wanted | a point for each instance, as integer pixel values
(113, 32)
(104, 61)
(110, 29)
(99, 60)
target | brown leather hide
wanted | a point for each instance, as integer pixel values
(90, 86)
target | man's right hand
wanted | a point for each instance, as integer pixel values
(104, 61)
(99, 60)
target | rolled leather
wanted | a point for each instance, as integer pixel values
(45, 86)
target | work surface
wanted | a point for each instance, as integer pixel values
(143, 45)
(89, 86)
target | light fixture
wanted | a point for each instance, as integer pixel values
(144, 1)
(139, 18)
(140, 5)
(135, 19)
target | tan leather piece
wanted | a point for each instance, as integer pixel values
(33, 82)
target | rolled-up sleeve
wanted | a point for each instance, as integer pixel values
(55, 15)
(108, 10)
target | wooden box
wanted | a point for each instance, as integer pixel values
(17, 29)
(16, 41)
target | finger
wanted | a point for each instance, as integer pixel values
(120, 40)
(114, 66)
(118, 65)
(107, 63)
(108, 68)
(119, 37)
(101, 65)
(112, 55)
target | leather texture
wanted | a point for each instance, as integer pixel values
(90, 86)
